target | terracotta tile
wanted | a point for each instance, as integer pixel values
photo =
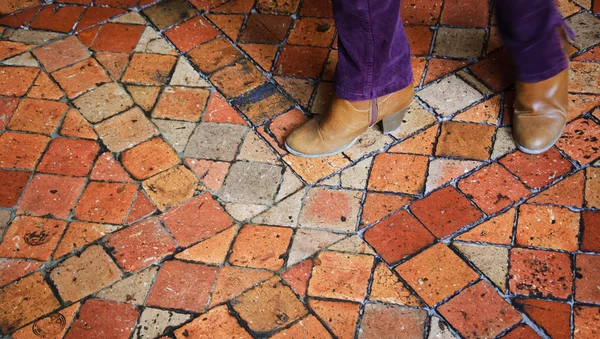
(323, 97)
(317, 8)
(423, 13)
(219, 110)
(32, 238)
(149, 69)
(470, 141)
(191, 33)
(265, 29)
(340, 276)
(580, 141)
(182, 285)
(21, 150)
(263, 55)
(537, 170)
(8, 106)
(497, 230)
(238, 79)
(284, 124)
(449, 96)
(590, 240)
(249, 249)
(83, 274)
(81, 77)
(19, 19)
(465, 13)
(142, 207)
(486, 112)
(439, 68)
(40, 116)
(11, 48)
(214, 55)
(79, 234)
(218, 322)
(25, 300)
(213, 250)
(117, 3)
(380, 205)
(168, 13)
(51, 195)
(521, 332)
(75, 125)
(271, 6)
(548, 227)
(436, 273)
(126, 130)
(172, 187)
(149, 158)
(211, 173)
(57, 323)
(308, 327)
(103, 102)
(196, 220)
(14, 183)
(69, 157)
(387, 288)
(308, 242)
(59, 19)
(419, 38)
(297, 277)
(397, 237)
(114, 62)
(442, 171)
(380, 320)
(311, 170)
(105, 202)
(398, 173)
(96, 15)
(554, 317)
(269, 306)
(340, 317)
(301, 61)
(15, 81)
(144, 96)
(104, 319)
(61, 53)
(587, 267)
(464, 312)
(87, 37)
(445, 211)
(312, 32)
(586, 322)
(230, 24)
(232, 281)
(592, 185)
(493, 188)
(262, 104)
(418, 67)
(108, 169)
(495, 70)
(13, 269)
(331, 209)
(540, 273)
(190, 103)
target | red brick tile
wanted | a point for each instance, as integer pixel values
(587, 267)
(265, 29)
(171, 187)
(10, 48)
(88, 36)
(114, 62)
(32, 238)
(142, 207)
(301, 61)
(399, 173)
(445, 211)
(521, 332)
(149, 69)
(387, 287)
(74, 125)
(168, 13)
(312, 32)
(83, 274)
(486, 112)
(126, 130)
(330, 209)
(61, 53)
(191, 33)
(317, 8)
(15, 81)
(108, 169)
(587, 320)
(149, 158)
(284, 124)
(219, 110)
(96, 15)
(44, 88)
(380, 205)
(568, 192)
(438, 68)
(580, 140)
(81, 77)
(419, 38)
(379, 321)
(204, 5)
(214, 55)
(308, 327)
(21, 150)
(8, 106)
(40, 116)
(270, 103)
(79, 234)
(580, 104)
(211, 173)
(195, 220)
(592, 187)
(421, 13)
(19, 19)
(230, 24)
(182, 285)
(144, 96)
(301, 90)
(418, 67)
(442, 270)
(50, 195)
(104, 319)
(13, 269)
(554, 317)
(13, 185)
(590, 240)
(340, 276)
(105, 202)
(270, 6)
(129, 35)
(465, 13)
(25, 300)
(297, 276)
(117, 3)
(537, 170)
(470, 141)
(141, 244)
(312, 170)
(340, 317)
(497, 230)
(397, 237)
(261, 247)
(548, 227)
(479, 312)
(238, 79)
(493, 188)
(213, 250)
(495, 70)
(54, 18)
(69, 157)
(217, 322)
(540, 273)
(232, 281)
(189, 101)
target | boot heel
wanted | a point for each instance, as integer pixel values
(391, 123)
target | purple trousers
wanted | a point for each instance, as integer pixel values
(374, 53)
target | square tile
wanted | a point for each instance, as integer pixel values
(585, 27)
(81, 77)
(76, 126)
(582, 77)
(443, 171)
(580, 141)
(459, 42)
(471, 13)
(238, 79)
(464, 140)
(445, 211)
(380, 320)
(32, 238)
(182, 285)
(214, 55)
(126, 130)
(38, 116)
(495, 70)
(540, 273)
(69, 157)
(129, 36)
(149, 69)
(190, 103)
(317, 8)
(592, 183)
(149, 158)
(14, 183)
(312, 32)
(104, 319)
(436, 273)
(271, 6)
(537, 170)
(554, 317)
(449, 96)
(251, 183)
(340, 316)
(141, 244)
(423, 13)
(261, 247)
(398, 236)
(105, 202)
(191, 33)
(15, 81)
(51, 195)
(21, 150)
(398, 173)
(380, 205)
(265, 29)
(103, 102)
(55, 18)
(587, 272)
(215, 141)
(590, 240)
(168, 13)
(548, 227)
(332, 209)
(586, 322)
(171, 187)
(262, 103)
(301, 61)
(217, 322)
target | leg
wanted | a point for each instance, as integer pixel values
(374, 54)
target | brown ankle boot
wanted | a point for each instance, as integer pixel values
(540, 113)
(345, 121)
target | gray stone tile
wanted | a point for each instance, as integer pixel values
(459, 42)
(586, 28)
(255, 149)
(450, 95)
(251, 183)
(415, 119)
(309, 242)
(215, 141)
(186, 75)
(153, 322)
(103, 102)
(177, 133)
(132, 289)
(504, 143)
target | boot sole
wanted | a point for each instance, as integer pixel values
(539, 151)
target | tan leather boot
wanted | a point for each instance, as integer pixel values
(540, 113)
(345, 121)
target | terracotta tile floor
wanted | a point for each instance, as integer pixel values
(145, 191)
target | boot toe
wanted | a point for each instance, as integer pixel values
(536, 137)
